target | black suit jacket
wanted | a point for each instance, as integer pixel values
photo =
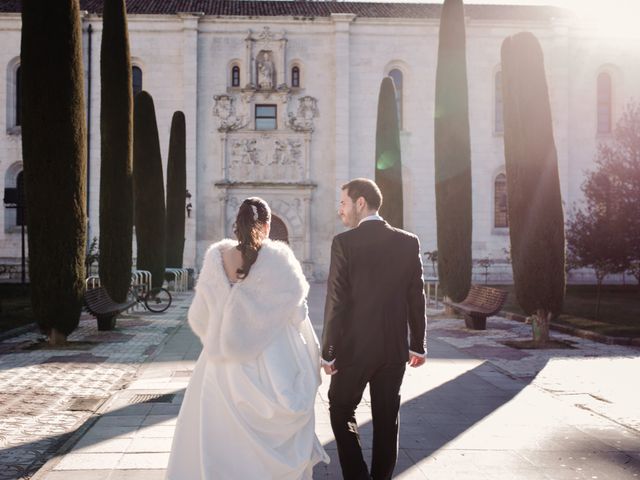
(375, 306)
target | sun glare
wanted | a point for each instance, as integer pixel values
(612, 18)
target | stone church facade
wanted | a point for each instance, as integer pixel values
(280, 100)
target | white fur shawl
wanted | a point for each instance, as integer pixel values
(237, 323)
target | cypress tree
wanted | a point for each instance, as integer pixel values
(536, 223)
(54, 153)
(148, 189)
(116, 137)
(453, 156)
(388, 158)
(176, 191)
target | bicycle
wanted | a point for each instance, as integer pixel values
(156, 300)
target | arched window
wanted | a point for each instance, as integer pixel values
(278, 229)
(295, 76)
(498, 125)
(235, 76)
(500, 215)
(136, 77)
(18, 96)
(21, 216)
(396, 75)
(13, 107)
(14, 196)
(604, 103)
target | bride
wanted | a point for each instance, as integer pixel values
(248, 411)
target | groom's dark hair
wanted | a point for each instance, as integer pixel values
(363, 187)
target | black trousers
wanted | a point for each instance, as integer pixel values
(345, 393)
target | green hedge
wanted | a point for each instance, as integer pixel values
(116, 134)
(148, 189)
(388, 157)
(453, 156)
(176, 191)
(54, 145)
(536, 220)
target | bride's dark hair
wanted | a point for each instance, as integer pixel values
(253, 215)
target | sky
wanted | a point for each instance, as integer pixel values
(611, 17)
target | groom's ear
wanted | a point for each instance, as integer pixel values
(361, 203)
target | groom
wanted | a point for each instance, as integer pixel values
(375, 300)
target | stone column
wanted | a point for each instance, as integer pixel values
(190, 110)
(342, 22)
(248, 71)
(307, 260)
(223, 199)
(557, 65)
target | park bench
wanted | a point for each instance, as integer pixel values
(481, 302)
(100, 305)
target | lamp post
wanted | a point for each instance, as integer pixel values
(14, 198)
(188, 206)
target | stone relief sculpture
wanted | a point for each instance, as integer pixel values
(265, 71)
(267, 159)
(266, 35)
(307, 111)
(225, 110)
(244, 157)
(287, 160)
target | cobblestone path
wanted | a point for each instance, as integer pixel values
(46, 394)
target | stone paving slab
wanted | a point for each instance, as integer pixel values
(590, 375)
(475, 412)
(49, 393)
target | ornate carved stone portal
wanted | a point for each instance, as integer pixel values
(271, 163)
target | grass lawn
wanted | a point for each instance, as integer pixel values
(619, 309)
(15, 306)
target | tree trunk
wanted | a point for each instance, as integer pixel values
(540, 326)
(447, 309)
(598, 291)
(57, 338)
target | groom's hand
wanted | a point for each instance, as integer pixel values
(330, 369)
(416, 360)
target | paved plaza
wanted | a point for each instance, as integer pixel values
(477, 410)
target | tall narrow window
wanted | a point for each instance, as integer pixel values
(18, 96)
(20, 212)
(396, 75)
(498, 125)
(295, 76)
(501, 218)
(235, 76)
(265, 117)
(136, 77)
(604, 103)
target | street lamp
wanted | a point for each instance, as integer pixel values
(14, 198)
(188, 206)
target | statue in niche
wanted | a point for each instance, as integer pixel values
(265, 71)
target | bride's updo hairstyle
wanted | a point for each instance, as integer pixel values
(253, 215)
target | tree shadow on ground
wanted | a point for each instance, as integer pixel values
(433, 419)
(25, 459)
(436, 417)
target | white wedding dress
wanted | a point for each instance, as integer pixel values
(248, 412)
